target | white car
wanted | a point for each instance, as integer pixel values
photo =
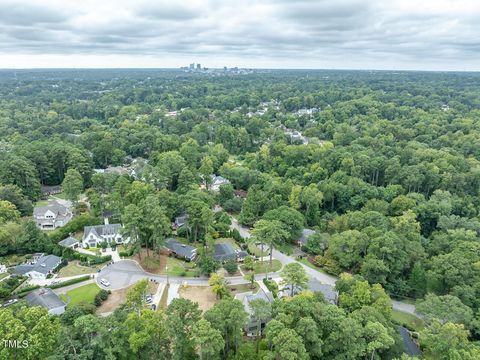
(148, 298)
(104, 282)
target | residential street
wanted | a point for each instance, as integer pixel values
(320, 276)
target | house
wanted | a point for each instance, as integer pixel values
(3, 269)
(69, 242)
(314, 285)
(46, 298)
(52, 216)
(93, 236)
(39, 267)
(303, 239)
(218, 181)
(180, 221)
(225, 252)
(180, 250)
(245, 298)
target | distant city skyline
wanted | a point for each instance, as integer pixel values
(305, 34)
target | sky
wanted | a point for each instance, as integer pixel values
(314, 34)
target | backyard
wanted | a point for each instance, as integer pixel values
(74, 268)
(85, 293)
(177, 267)
(203, 295)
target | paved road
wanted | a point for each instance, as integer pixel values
(322, 277)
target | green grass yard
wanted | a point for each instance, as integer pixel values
(73, 268)
(259, 269)
(85, 293)
(408, 320)
(177, 267)
(255, 250)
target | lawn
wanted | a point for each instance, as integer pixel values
(241, 288)
(255, 250)
(3, 276)
(41, 203)
(11, 260)
(285, 248)
(164, 298)
(85, 293)
(259, 269)
(73, 268)
(177, 267)
(409, 321)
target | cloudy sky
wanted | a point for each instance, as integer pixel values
(356, 34)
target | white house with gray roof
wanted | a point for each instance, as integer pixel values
(93, 236)
(218, 181)
(52, 216)
(46, 298)
(38, 267)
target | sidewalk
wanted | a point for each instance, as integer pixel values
(158, 295)
(173, 293)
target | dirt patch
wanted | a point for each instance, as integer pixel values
(119, 297)
(153, 263)
(115, 299)
(202, 295)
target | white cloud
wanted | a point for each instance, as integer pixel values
(401, 34)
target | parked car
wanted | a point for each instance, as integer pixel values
(104, 282)
(153, 307)
(148, 298)
(10, 302)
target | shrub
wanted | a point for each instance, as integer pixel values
(69, 282)
(101, 296)
(74, 225)
(272, 286)
(231, 266)
(126, 253)
(248, 263)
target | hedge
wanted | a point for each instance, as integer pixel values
(69, 282)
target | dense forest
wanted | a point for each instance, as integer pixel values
(389, 177)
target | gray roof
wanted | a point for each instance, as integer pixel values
(219, 180)
(328, 291)
(411, 348)
(178, 248)
(69, 241)
(53, 206)
(44, 297)
(306, 233)
(225, 252)
(246, 298)
(102, 230)
(44, 265)
(181, 220)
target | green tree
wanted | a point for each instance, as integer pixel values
(136, 295)
(261, 312)
(269, 232)
(8, 212)
(294, 275)
(208, 340)
(72, 184)
(229, 317)
(182, 315)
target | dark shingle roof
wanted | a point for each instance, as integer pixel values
(44, 297)
(44, 265)
(102, 230)
(53, 206)
(178, 248)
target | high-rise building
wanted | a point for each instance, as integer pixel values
(199, 67)
(192, 66)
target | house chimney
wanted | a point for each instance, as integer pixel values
(105, 220)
